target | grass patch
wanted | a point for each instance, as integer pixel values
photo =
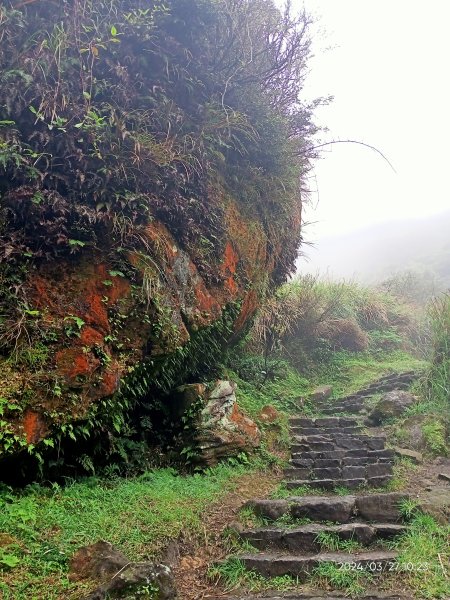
(331, 542)
(349, 372)
(352, 581)
(283, 492)
(402, 472)
(424, 557)
(42, 527)
(232, 573)
(434, 434)
(284, 392)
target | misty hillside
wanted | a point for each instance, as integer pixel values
(373, 253)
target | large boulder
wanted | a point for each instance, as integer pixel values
(223, 430)
(120, 578)
(391, 405)
(141, 223)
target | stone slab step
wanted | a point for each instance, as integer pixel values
(339, 509)
(330, 484)
(323, 423)
(324, 436)
(304, 539)
(274, 564)
(306, 444)
(341, 471)
(343, 408)
(318, 595)
(325, 430)
(347, 461)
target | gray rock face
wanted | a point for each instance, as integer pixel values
(322, 393)
(412, 455)
(120, 578)
(223, 430)
(393, 404)
(380, 507)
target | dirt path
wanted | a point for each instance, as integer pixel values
(193, 556)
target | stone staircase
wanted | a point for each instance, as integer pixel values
(354, 403)
(326, 453)
(331, 452)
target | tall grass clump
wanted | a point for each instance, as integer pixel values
(437, 382)
(310, 319)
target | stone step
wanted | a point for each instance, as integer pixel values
(338, 509)
(383, 454)
(306, 444)
(304, 539)
(325, 430)
(323, 423)
(340, 471)
(318, 595)
(276, 564)
(330, 484)
(338, 436)
(347, 461)
(346, 409)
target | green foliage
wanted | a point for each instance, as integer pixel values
(403, 471)
(332, 542)
(436, 388)
(408, 508)
(424, 556)
(310, 319)
(352, 581)
(133, 113)
(232, 573)
(304, 490)
(435, 437)
(48, 524)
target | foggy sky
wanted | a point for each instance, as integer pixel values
(388, 69)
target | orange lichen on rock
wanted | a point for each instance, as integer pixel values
(269, 414)
(228, 268)
(248, 309)
(245, 425)
(206, 303)
(74, 363)
(109, 381)
(34, 426)
(90, 336)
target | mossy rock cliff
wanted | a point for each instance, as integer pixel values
(151, 165)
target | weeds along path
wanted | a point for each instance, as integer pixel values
(333, 529)
(196, 553)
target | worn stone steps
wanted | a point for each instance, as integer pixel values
(339, 472)
(306, 538)
(331, 484)
(323, 423)
(328, 452)
(384, 454)
(328, 444)
(359, 439)
(301, 566)
(354, 403)
(310, 463)
(310, 596)
(339, 509)
(353, 409)
(301, 431)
